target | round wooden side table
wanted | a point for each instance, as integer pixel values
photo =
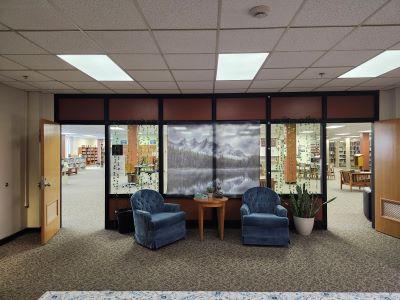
(219, 203)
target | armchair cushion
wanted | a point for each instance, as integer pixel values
(166, 219)
(148, 200)
(281, 211)
(244, 210)
(265, 220)
(171, 207)
(261, 200)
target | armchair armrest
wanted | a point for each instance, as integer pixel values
(171, 207)
(141, 218)
(281, 211)
(244, 210)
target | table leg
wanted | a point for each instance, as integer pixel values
(221, 221)
(201, 222)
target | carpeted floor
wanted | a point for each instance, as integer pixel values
(350, 256)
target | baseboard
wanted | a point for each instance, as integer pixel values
(18, 234)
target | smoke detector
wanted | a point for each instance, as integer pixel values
(260, 11)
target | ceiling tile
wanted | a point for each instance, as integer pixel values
(177, 14)
(332, 88)
(139, 61)
(19, 75)
(101, 91)
(230, 91)
(345, 82)
(335, 12)
(159, 75)
(396, 47)
(394, 73)
(32, 15)
(12, 43)
(382, 82)
(190, 61)
(63, 42)
(122, 91)
(21, 85)
(60, 91)
(5, 79)
(159, 85)
(50, 85)
(41, 62)
(371, 38)
(264, 74)
(86, 85)
(70, 75)
(3, 27)
(196, 85)
(193, 75)
(304, 39)
(295, 89)
(248, 40)
(194, 91)
(186, 41)
(235, 13)
(232, 84)
(124, 41)
(269, 90)
(307, 83)
(167, 91)
(292, 59)
(6, 64)
(328, 72)
(102, 14)
(269, 84)
(389, 14)
(123, 85)
(345, 58)
(366, 88)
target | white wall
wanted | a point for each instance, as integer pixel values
(77, 142)
(40, 106)
(13, 156)
(389, 104)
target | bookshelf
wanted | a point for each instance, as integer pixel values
(90, 153)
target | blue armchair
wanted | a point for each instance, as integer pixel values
(156, 223)
(264, 220)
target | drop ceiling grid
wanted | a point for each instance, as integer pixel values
(88, 30)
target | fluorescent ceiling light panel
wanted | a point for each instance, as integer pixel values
(99, 67)
(347, 133)
(307, 131)
(239, 66)
(380, 64)
(334, 126)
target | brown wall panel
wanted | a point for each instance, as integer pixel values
(296, 108)
(350, 107)
(91, 109)
(241, 108)
(133, 109)
(187, 109)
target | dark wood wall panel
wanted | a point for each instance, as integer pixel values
(133, 109)
(81, 109)
(350, 107)
(241, 108)
(188, 109)
(296, 108)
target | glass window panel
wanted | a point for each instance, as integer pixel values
(133, 158)
(188, 158)
(295, 157)
(240, 157)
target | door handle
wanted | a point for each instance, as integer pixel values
(43, 183)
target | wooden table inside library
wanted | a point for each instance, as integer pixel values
(218, 203)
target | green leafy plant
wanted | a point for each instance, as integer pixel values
(305, 204)
(210, 189)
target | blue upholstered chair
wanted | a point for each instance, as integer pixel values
(156, 223)
(264, 220)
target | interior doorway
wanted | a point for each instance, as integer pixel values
(83, 177)
(349, 173)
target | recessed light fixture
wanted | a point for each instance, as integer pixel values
(378, 65)
(99, 67)
(239, 66)
(334, 126)
(117, 128)
(347, 133)
(307, 131)
(365, 131)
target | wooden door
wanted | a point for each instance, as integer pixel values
(50, 138)
(387, 176)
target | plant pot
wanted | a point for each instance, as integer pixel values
(304, 226)
(210, 195)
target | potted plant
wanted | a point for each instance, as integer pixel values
(304, 208)
(210, 191)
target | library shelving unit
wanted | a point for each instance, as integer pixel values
(354, 149)
(90, 153)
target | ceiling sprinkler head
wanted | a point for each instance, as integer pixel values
(25, 77)
(321, 74)
(260, 11)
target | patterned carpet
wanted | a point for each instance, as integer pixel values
(349, 257)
